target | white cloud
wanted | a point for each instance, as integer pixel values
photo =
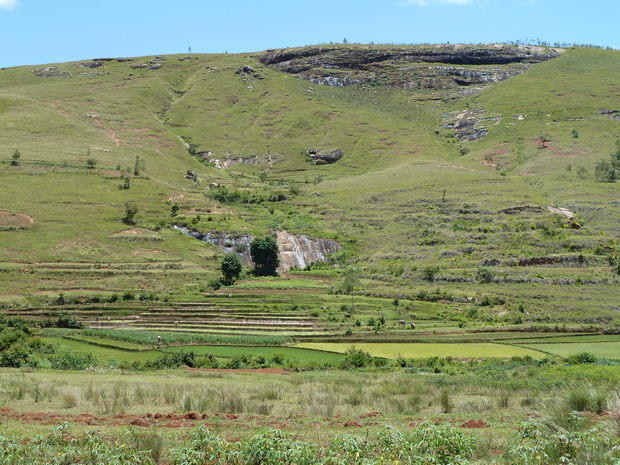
(428, 2)
(8, 4)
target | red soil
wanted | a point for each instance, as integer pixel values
(474, 424)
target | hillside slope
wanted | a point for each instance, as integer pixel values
(449, 159)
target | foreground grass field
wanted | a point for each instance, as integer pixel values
(481, 402)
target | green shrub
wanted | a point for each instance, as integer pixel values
(356, 358)
(65, 320)
(171, 360)
(69, 360)
(583, 358)
(485, 274)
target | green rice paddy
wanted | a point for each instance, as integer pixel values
(417, 350)
(291, 354)
(609, 350)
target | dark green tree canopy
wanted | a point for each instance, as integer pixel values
(231, 267)
(131, 210)
(264, 253)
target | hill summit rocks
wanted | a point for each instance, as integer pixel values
(426, 67)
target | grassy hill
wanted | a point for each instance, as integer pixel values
(425, 214)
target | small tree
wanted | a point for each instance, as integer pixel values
(126, 182)
(131, 210)
(605, 171)
(231, 268)
(264, 253)
(91, 163)
(15, 157)
(348, 285)
(175, 209)
(139, 165)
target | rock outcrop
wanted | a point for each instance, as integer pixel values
(612, 114)
(408, 68)
(324, 157)
(230, 160)
(51, 71)
(294, 251)
(299, 251)
(470, 125)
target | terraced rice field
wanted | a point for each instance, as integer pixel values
(215, 320)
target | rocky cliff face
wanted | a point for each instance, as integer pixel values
(411, 68)
(295, 251)
(301, 250)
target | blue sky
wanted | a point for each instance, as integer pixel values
(53, 31)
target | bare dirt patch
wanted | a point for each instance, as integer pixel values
(172, 420)
(14, 221)
(132, 231)
(475, 424)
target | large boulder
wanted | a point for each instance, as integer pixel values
(324, 157)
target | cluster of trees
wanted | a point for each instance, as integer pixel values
(264, 253)
(223, 195)
(19, 348)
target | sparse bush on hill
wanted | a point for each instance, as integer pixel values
(15, 157)
(131, 210)
(430, 272)
(485, 274)
(605, 172)
(126, 182)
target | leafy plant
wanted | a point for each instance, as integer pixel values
(231, 268)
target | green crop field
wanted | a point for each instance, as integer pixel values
(290, 355)
(610, 350)
(104, 354)
(414, 350)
